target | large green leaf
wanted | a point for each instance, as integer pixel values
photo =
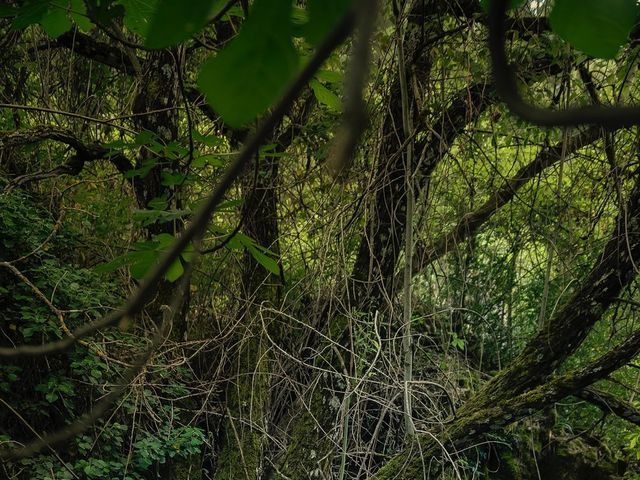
(55, 22)
(138, 14)
(268, 263)
(79, 15)
(174, 22)
(326, 97)
(247, 76)
(323, 16)
(596, 27)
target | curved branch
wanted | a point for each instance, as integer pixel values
(604, 116)
(85, 152)
(100, 52)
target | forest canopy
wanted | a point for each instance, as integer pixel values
(319, 239)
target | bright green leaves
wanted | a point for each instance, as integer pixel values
(326, 97)
(260, 254)
(146, 255)
(247, 76)
(596, 27)
(323, 16)
(174, 21)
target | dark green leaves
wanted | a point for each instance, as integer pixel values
(138, 14)
(55, 16)
(246, 77)
(175, 21)
(323, 16)
(596, 27)
(55, 22)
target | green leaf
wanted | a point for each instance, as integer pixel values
(158, 203)
(323, 16)
(174, 22)
(267, 262)
(144, 138)
(79, 15)
(170, 178)
(138, 15)
(55, 22)
(51, 397)
(143, 261)
(175, 271)
(596, 27)
(32, 12)
(212, 160)
(251, 73)
(208, 140)
(113, 265)
(329, 76)
(326, 97)
(514, 4)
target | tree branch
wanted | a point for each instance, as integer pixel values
(505, 82)
(609, 403)
(84, 152)
(408, 465)
(201, 219)
(470, 223)
(97, 51)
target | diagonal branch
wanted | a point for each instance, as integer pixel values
(509, 409)
(470, 223)
(565, 331)
(609, 403)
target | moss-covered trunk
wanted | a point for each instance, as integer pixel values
(520, 389)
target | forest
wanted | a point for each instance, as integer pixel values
(319, 239)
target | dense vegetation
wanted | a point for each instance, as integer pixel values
(319, 239)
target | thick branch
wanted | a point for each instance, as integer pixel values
(609, 403)
(563, 333)
(506, 410)
(97, 51)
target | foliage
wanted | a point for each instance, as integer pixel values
(297, 352)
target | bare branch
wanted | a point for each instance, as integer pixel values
(604, 116)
